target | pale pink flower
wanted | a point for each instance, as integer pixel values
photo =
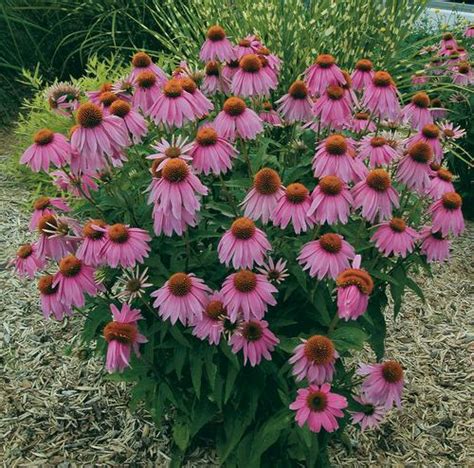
(133, 120)
(63, 98)
(362, 123)
(183, 297)
(469, 31)
(450, 132)
(90, 250)
(211, 326)
(275, 272)
(79, 185)
(123, 337)
(247, 293)
(293, 206)
(210, 152)
(45, 206)
(354, 287)
(48, 149)
(73, 280)
(94, 96)
(414, 168)
(434, 245)
(322, 73)
(431, 135)
(395, 237)
(362, 75)
(332, 108)
(331, 201)
(178, 148)
(314, 360)
(255, 339)
(237, 120)
(49, 298)
(370, 417)
(381, 98)
(243, 245)
(383, 383)
(417, 112)
(326, 257)
(249, 45)
(214, 80)
(319, 408)
(166, 223)
(262, 199)
(216, 46)
(448, 42)
(447, 215)
(26, 261)
(270, 115)
(296, 106)
(142, 62)
(438, 111)
(441, 183)
(250, 79)
(202, 105)
(463, 74)
(377, 150)
(229, 69)
(376, 196)
(124, 246)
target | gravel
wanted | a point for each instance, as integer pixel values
(57, 407)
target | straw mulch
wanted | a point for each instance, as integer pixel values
(56, 408)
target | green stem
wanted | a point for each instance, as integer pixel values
(229, 196)
(333, 324)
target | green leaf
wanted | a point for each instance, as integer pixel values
(348, 337)
(288, 344)
(415, 288)
(232, 374)
(181, 435)
(196, 364)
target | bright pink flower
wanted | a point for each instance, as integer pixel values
(243, 245)
(448, 42)
(49, 297)
(202, 105)
(383, 383)
(123, 337)
(98, 134)
(134, 121)
(216, 46)
(166, 151)
(90, 251)
(123, 89)
(362, 75)
(269, 115)
(319, 407)
(26, 261)
(332, 107)
(314, 360)
(441, 183)
(296, 106)
(354, 287)
(250, 80)
(335, 156)
(294, 206)
(375, 196)
(176, 190)
(431, 135)
(438, 111)
(147, 91)
(419, 79)
(395, 237)
(380, 97)
(447, 215)
(211, 153)
(256, 341)
(77, 185)
(247, 293)
(214, 81)
(48, 149)
(45, 206)
(211, 326)
(165, 223)
(94, 96)
(142, 62)
(183, 297)
(262, 199)
(229, 70)
(174, 106)
(331, 201)
(237, 120)
(362, 123)
(124, 246)
(58, 236)
(73, 279)
(377, 150)
(417, 112)
(326, 257)
(414, 168)
(322, 73)
(434, 245)
(370, 417)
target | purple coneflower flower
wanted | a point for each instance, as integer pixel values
(26, 261)
(202, 105)
(250, 80)
(362, 123)
(431, 135)
(214, 81)
(269, 115)
(90, 251)
(142, 62)
(166, 151)
(332, 107)
(414, 168)
(216, 46)
(49, 297)
(275, 272)
(296, 105)
(370, 417)
(447, 215)
(417, 112)
(395, 237)
(362, 75)
(441, 183)
(211, 326)
(322, 73)
(377, 150)
(381, 98)
(135, 123)
(45, 206)
(434, 245)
